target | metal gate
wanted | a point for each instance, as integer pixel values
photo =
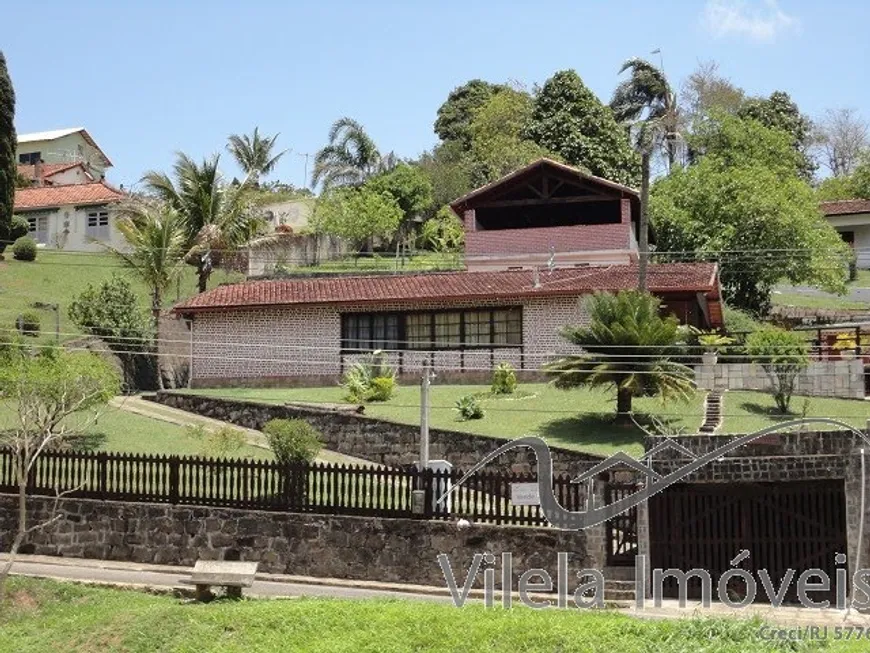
(784, 526)
(621, 531)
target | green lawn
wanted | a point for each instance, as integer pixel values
(576, 419)
(56, 277)
(750, 411)
(117, 430)
(816, 301)
(42, 616)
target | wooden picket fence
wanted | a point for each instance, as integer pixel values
(266, 485)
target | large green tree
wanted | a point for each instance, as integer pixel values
(628, 346)
(218, 217)
(8, 145)
(648, 105)
(855, 186)
(450, 171)
(350, 157)
(254, 154)
(779, 111)
(569, 120)
(408, 185)
(455, 115)
(358, 215)
(745, 205)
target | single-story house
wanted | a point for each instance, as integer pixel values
(308, 330)
(851, 218)
(76, 217)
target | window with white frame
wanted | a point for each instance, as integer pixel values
(98, 224)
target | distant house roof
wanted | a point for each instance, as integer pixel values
(492, 188)
(53, 135)
(49, 169)
(845, 207)
(413, 288)
(78, 194)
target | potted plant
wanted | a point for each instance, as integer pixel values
(846, 345)
(712, 342)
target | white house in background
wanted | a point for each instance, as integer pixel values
(72, 145)
(851, 218)
(76, 217)
(293, 213)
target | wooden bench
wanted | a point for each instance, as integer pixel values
(231, 575)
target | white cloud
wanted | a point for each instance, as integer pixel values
(758, 21)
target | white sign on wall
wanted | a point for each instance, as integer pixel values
(525, 494)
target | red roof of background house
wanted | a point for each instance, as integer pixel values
(50, 196)
(845, 207)
(509, 284)
(48, 169)
(539, 240)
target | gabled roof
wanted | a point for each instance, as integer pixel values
(53, 135)
(845, 207)
(534, 168)
(71, 194)
(415, 288)
(50, 169)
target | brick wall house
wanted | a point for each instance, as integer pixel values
(463, 323)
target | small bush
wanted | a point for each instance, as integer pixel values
(219, 442)
(293, 440)
(504, 379)
(24, 249)
(284, 229)
(19, 228)
(29, 324)
(370, 379)
(469, 407)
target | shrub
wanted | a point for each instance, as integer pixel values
(782, 355)
(469, 407)
(370, 379)
(29, 324)
(504, 379)
(293, 440)
(19, 228)
(218, 442)
(24, 249)
(283, 229)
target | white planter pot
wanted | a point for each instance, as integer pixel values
(709, 358)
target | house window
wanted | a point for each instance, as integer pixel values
(37, 227)
(30, 159)
(98, 225)
(433, 330)
(367, 331)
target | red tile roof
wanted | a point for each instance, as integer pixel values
(51, 196)
(48, 169)
(578, 238)
(411, 288)
(845, 207)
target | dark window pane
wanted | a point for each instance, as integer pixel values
(418, 330)
(447, 330)
(477, 327)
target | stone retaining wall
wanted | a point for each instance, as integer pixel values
(361, 548)
(380, 441)
(829, 378)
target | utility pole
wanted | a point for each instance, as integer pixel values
(424, 415)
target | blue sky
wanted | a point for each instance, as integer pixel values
(150, 78)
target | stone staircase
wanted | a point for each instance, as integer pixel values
(619, 584)
(712, 412)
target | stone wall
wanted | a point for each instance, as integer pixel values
(826, 378)
(361, 548)
(380, 441)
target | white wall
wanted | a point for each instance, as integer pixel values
(68, 149)
(67, 229)
(860, 224)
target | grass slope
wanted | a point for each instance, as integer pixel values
(745, 412)
(57, 277)
(49, 616)
(577, 419)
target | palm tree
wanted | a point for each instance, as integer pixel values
(626, 346)
(218, 217)
(155, 238)
(647, 102)
(350, 158)
(254, 154)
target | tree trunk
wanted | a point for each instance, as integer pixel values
(643, 224)
(155, 313)
(623, 404)
(202, 273)
(21, 532)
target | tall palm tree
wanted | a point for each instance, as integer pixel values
(155, 237)
(648, 104)
(350, 158)
(218, 217)
(254, 153)
(627, 346)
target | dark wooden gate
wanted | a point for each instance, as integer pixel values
(783, 526)
(621, 531)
